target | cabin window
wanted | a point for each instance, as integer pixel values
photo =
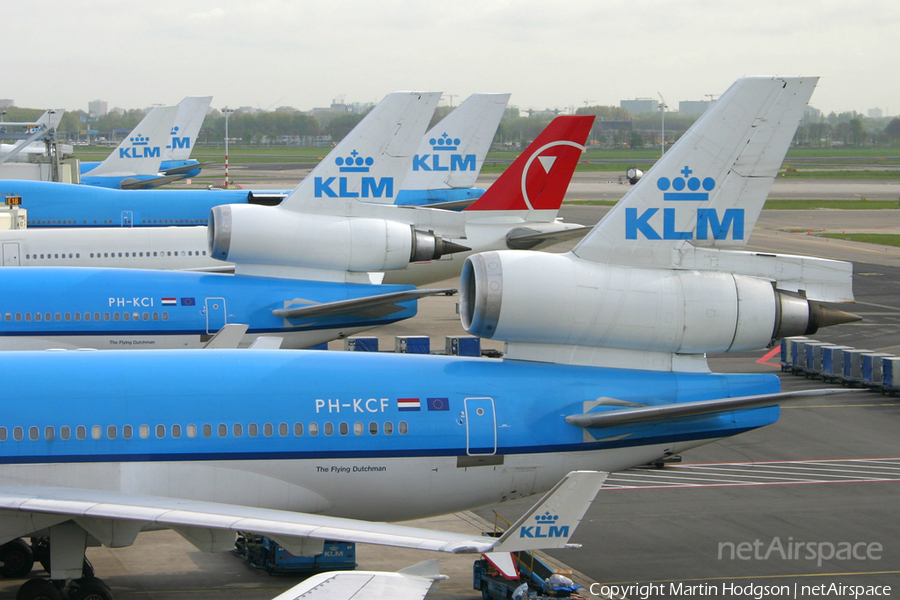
(57, 317)
(283, 429)
(160, 431)
(298, 429)
(68, 317)
(343, 428)
(268, 430)
(19, 317)
(207, 430)
(328, 428)
(18, 434)
(126, 316)
(48, 316)
(33, 433)
(27, 317)
(313, 429)
(373, 428)
(77, 316)
(191, 430)
(64, 432)
(97, 316)
(358, 428)
(144, 431)
(115, 316)
(38, 316)
(165, 316)
(223, 429)
(80, 432)
(253, 430)
(156, 316)
(111, 432)
(403, 428)
(2, 434)
(388, 428)
(176, 431)
(8, 317)
(96, 432)
(145, 316)
(237, 429)
(127, 431)
(135, 316)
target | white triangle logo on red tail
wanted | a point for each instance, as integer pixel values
(547, 161)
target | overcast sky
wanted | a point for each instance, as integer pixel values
(548, 54)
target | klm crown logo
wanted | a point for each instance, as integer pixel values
(174, 130)
(354, 163)
(370, 187)
(688, 188)
(546, 527)
(693, 184)
(438, 162)
(140, 148)
(444, 143)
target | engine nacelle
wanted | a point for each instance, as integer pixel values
(532, 297)
(633, 174)
(249, 234)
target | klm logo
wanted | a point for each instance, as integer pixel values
(370, 186)
(179, 142)
(710, 222)
(140, 148)
(444, 148)
(546, 528)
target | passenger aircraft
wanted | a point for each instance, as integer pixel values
(135, 162)
(471, 126)
(103, 308)
(176, 162)
(614, 376)
(501, 219)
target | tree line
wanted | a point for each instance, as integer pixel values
(615, 127)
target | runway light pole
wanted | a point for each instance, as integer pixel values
(227, 112)
(662, 109)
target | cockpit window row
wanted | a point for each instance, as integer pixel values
(106, 316)
(222, 430)
(148, 254)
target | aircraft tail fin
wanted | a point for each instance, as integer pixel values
(452, 152)
(537, 180)
(369, 164)
(552, 521)
(191, 113)
(708, 190)
(140, 153)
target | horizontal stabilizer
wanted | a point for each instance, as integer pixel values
(267, 342)
(524, 238)
(504, 562)
(185, 168)
(133, 183)
(629, 416)
(356, 305)
(552, 521)
(372, 585)
(228, 337)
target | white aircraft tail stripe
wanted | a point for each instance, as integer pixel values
(140, 153)
(708, 190)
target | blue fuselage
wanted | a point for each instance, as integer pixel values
(51, 307)
(350, 433)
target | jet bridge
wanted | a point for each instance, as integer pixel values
(33, 152)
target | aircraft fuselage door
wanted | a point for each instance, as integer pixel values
(127, 218)
(481, 427)
(11, 254)
(215, 314)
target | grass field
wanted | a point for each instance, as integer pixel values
(882, 239)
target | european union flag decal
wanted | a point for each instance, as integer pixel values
(188, 302)
(438, 404)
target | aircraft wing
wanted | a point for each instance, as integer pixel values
(407, 584)
(369, 306)
(115, 519)
(643, 414)
(524, 238)
(130, 183)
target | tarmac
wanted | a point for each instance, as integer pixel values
(665, 533)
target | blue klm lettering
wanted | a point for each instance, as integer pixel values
(707, 220)
(134, 152)
(371, 188)
(536, 531)
(182, 142)
(458, 162)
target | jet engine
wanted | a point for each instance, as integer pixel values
(532, 297)
(249, 234)
(633, 174)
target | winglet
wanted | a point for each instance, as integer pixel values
(539, 178)
(552, 521)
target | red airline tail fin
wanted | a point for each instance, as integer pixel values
(538, 179)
